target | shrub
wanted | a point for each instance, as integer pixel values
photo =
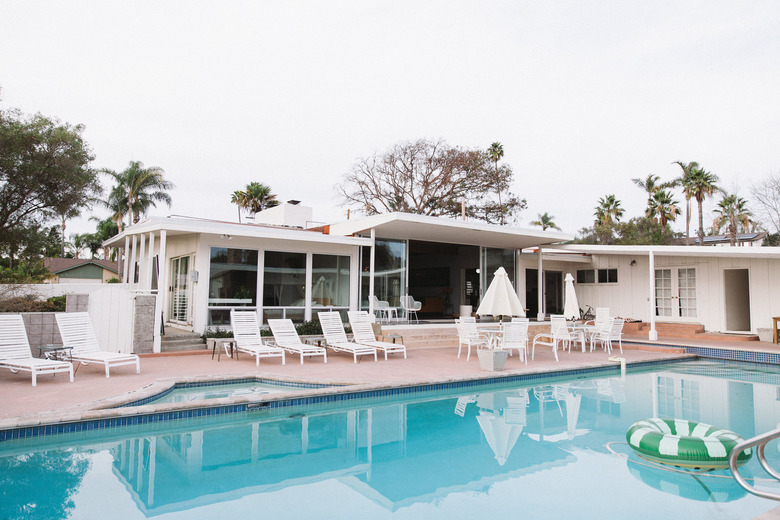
(58, 302)
(113, 280)
(29, 303)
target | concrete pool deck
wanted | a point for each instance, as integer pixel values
(57, 400)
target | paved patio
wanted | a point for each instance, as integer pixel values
(55, 399)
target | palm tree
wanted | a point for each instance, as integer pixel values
(685, 181)
(545, 221)
(664, 207)
(651, 185)
(496, 152)
(702, 184)
(239, 199)
(608, 209)
(255, 198)
(733, 212)
(105, 229)
(142, 188)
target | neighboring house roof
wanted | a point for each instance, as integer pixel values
(61, 265)
(724, 239)
(700, 251)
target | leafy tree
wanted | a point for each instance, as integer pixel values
(254, 199)
(685, 180)
(733, 213)
(545, 221)
(637, 231)
(702, 185)
(44, 171)
(105, 229)
(663, 206)
(141, 188)
(431, 178)
(608, 210)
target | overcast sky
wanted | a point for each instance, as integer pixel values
(583, 96)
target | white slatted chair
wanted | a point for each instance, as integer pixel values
(469, 335)
(363, 333)
(15, 352)
(336, 339)
(602, 315)
(381, 308)
(515, 337)
(76, 332)
(610, 331)
(410, 306)
(246, 333)
(286, 337)
(559, 333)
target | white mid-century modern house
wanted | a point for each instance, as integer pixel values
(284, 267)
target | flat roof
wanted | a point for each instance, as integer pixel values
(702, 251)
(176, 225)
(449, 231)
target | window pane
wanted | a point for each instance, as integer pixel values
(284, 279)
(389, 272)
(330, 280)
(492, 259)
(233, 277)
(586, 276)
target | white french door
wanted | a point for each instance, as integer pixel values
(675, 292)
(180, 289)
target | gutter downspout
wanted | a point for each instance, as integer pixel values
(653, 334)
(162, 291)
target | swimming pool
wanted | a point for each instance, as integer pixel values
(548, 448)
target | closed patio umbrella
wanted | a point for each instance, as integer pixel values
(500, 298)
(500, 436)
(571, 308)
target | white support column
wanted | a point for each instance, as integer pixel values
(371, 273)
(131, 266)
(540, 283)
(162, 292)
(148, 282)
(307, 288)
(125, 252)
(653, 334)
(143, 268)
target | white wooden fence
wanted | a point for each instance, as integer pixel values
(111, 309)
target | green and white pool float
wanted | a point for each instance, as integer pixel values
(687, 444)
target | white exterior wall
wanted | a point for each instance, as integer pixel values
(630, 297)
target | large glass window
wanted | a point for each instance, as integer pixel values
(284, 279)
(330, 281)
(389, 272)
(492, 259)
(232, 282)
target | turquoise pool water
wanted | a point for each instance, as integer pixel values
(188, 392)
(552, 449)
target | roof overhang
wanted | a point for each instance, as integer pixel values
(700, 251)
(406, 226)
(174, 226)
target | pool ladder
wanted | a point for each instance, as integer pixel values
(759, 442)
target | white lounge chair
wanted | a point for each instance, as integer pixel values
(515, 337)
(410, 306)
(76, 332)
(15, 352)
(287, 338)
(336, 339)
(469, 335)
(246, 333)
(360, 321)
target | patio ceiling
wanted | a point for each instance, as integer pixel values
(405, 226)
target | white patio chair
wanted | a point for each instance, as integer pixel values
(363, 333)
(286, 337)
(246, 333)
(602, 315)
(559, 333)
(410, 306)
(336, 339)
(381, 308)
(15, 352)
(610, 331)
(515, 337)
(469, 335)
(76, 332)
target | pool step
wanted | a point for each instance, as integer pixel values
(177, 341)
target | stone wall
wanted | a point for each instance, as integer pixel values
(41, 330)
(143, 329)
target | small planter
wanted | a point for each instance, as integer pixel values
(492, 360)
